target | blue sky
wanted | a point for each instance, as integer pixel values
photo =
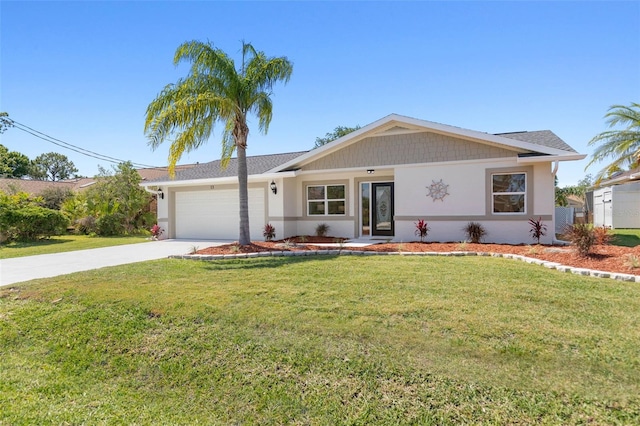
(84, 72)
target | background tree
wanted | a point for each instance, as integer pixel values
(578, 190)
(621, 146)
(116, 202)
(52, 166)
(5, 122)
(53, 198)
(338, 132)
(13, 164)
(216, 91)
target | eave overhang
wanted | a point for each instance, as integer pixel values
(263, 177)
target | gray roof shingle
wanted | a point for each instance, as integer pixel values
(255, 165)
(261, 163)
(539, 137)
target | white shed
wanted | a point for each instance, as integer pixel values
(617, 206)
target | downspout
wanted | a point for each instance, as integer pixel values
(554, 171)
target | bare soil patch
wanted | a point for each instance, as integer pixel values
(603, 257)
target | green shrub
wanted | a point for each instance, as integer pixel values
(582, 236)
(86, 225)
(475, 232)
(322, 229)
(31, 222)
(110, 224)
(54, 198)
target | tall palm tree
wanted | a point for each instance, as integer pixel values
(623, 146)
(216, 91)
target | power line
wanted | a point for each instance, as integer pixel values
(76, 148)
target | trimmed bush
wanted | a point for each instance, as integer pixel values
(32, 222)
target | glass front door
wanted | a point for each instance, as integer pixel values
(382, 209)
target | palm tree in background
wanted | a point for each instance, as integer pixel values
(623, 146)
(215, 91)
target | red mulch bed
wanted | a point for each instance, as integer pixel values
(603, 258)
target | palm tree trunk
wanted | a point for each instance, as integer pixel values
(245, 237)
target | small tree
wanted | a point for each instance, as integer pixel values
(120, 197)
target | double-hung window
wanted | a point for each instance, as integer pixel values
(326, 200)
(509, 193)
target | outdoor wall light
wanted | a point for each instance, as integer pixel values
(273, 187)
(160, 193)
(370, 171)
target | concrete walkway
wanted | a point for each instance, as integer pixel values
(21, 269)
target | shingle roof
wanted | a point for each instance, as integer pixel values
(540, 137)
(255, 165)
(31, 186)
(262, 163)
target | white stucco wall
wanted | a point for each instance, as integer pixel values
(163, 215)
(469, 200)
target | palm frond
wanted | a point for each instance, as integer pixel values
(622, 147)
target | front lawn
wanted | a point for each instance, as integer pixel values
(626, 237)
(321, 340)
(64, 243)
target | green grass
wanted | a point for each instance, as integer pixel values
(321, 340)
(626, 237)
(64, 243)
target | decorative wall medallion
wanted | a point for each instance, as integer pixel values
(437, 190)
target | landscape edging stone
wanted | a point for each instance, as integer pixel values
(619, 276)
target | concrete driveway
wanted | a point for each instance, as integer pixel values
(51, 265)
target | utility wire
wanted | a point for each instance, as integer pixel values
(76, 148)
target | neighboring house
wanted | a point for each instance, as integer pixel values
(35, 187)
(376, 183)
(616, 202)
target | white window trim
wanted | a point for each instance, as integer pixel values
(326, 200)
(523, 193)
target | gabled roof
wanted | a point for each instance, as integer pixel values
(543, 142)
(256, 165)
